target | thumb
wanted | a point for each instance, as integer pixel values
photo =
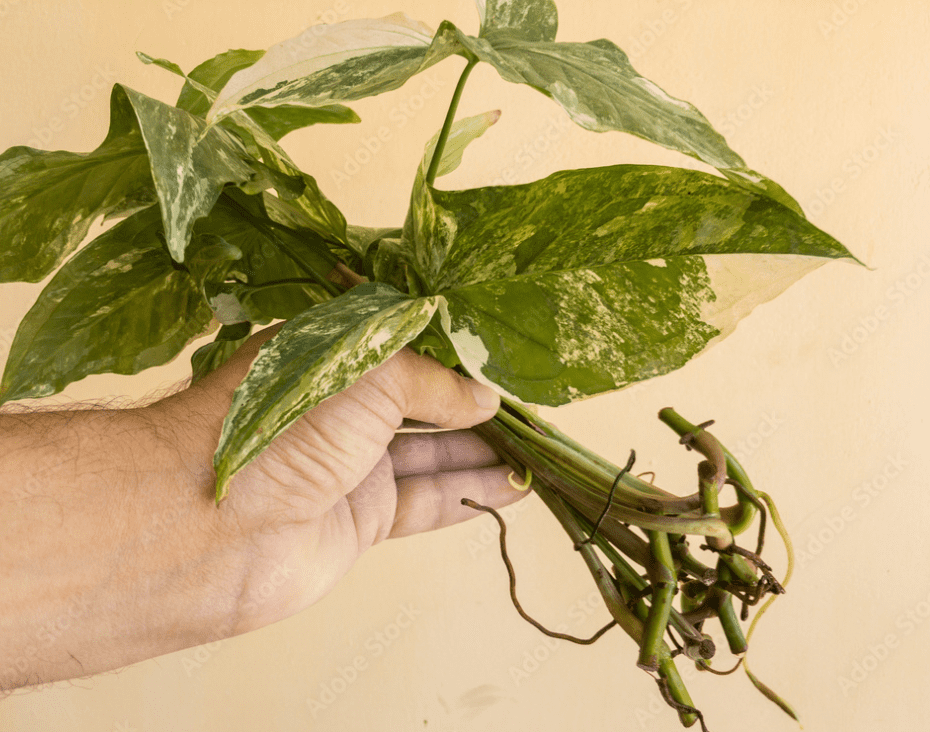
(425, 390)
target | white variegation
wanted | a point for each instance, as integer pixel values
(481, 6)
(463, 133)
(315, 355)
(317, 48)
(471, 351)
(740, 286)
(424, 219)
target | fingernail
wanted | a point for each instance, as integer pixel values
(485, 396)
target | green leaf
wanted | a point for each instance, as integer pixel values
(211, 259)
(279, 121)
(361, 246)
(271, 252)
(215, 72)
(423, 217)
(260, 129)
(210, 357)
(601, 91)
(48, 200)
(335, 63)
(314, 356)
(118, 306)
(319, 212)
(528, 20)
(360, 238)
(589, 280)
(191, 163)
(177, 71)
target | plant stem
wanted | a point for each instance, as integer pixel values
(663, 590)
(681, 426)
(447, 124)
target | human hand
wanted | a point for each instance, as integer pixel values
(340, 479)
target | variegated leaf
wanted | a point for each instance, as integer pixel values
(589, 280)
(118, 306)
(527, 20)
(191, 163)
(48, 200)
(601, 91)
(215, 72)
(319, 212)
(419, 244)
(314, 356)
(332, 63)
(271, 252)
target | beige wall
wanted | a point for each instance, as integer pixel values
(830, 99)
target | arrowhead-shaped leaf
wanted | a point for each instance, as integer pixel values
(215, 72)
(527, 20)
(419, 244)
(48, 200)
(601, 91)
(590, 280)
(118, 306)
(334, 63)
(314, 356)
(191, 163)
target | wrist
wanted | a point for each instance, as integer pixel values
(113, 553)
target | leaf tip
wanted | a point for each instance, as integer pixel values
(144, 57)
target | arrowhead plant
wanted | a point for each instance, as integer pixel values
(552, 291)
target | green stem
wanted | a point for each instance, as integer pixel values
(625, 618)
(734, 470)
(629, 576)
(447, 124)
(663, 590)
(606, 468)
(591, 496)
(727, 614)
(594, 472)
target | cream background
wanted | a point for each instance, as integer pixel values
(836, 77)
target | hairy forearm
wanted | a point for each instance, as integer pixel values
(111, 548)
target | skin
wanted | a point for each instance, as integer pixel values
(113, 548)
